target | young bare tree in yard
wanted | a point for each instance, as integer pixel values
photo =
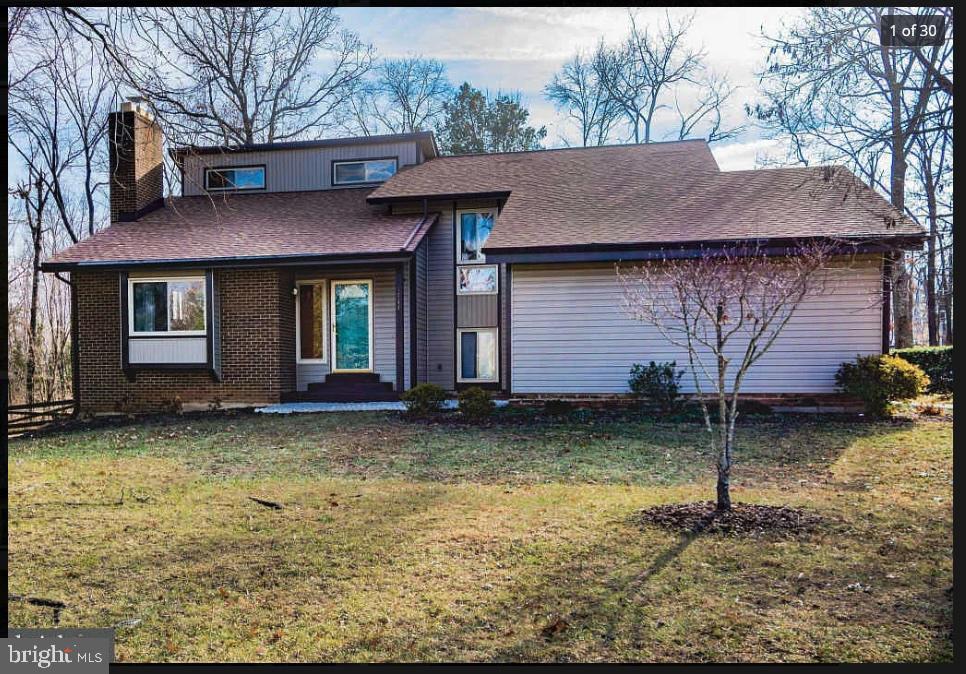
(728, 306)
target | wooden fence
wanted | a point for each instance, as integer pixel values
(26, 418)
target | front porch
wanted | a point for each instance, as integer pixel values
(352, 332)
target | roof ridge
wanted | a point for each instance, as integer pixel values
(567, 149)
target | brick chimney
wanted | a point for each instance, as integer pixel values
(136, 163)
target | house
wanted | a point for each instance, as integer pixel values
(355, 268)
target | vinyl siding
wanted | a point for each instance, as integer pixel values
(477, 311)
(422, 311)
(294, 170)
(383, 326)
(168, 350)
(570, 334)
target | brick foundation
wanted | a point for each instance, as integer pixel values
(257, 346)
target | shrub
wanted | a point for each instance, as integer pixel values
(556, 408)
(658, 382)
(475, 403)
(878, 380)
(582, 415)
(935, 361)
(423, 400)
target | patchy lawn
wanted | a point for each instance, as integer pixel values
(406, 541)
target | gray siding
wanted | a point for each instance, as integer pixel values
(441, 331)
(570, 334)
(441, 289)
(294, 170)
(477, 311)
(422, 310)
(383, 326)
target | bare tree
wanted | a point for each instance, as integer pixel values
(714, 92)
(931, 155)
(58, 117)
(34, 193)
(577, 90)
(650, 69)
(406, 95)
(234, 75)
(728, 305)
(832, 89)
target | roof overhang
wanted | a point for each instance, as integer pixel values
(690, 249)
(294, 260)
(425, 139)
(502, 194)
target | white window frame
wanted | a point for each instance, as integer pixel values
(325, 322)
(372, 328)
(212, 169)
(394, 160)
(167, 333)
(459, 233)
(496, 270)
(459, 355)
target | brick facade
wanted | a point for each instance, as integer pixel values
(257, 346)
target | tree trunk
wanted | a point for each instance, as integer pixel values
(724, 459)
(932, 310)
(36, 232)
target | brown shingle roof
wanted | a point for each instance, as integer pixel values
(330, 222)
(651, 194)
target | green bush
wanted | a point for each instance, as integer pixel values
(878, 380)
(935, 361)
(659, 382)
(423, 400)
(475, 403)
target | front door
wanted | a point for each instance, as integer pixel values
(352, 326)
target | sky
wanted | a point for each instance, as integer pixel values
(520, 48)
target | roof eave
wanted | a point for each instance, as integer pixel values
(441, 196)
(602, 252)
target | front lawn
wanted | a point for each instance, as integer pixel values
(516, 542)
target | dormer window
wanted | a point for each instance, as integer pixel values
(363, 172)
(235, 178)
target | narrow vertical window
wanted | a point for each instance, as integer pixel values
(311, 320)
(478, 355)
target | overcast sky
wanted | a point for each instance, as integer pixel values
(519, 49)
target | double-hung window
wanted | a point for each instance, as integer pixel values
(170, 306)
(235, 178)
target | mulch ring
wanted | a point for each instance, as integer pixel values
(743, 520)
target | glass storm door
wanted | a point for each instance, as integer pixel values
(352, 325)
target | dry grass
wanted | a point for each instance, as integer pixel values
(418, 542)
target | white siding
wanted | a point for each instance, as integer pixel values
(570, 334)
(168, 350)
(294, 170)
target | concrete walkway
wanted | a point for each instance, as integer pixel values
(296, 408)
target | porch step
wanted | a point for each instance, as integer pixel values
(348, 387)
(350, 377)
(340, 396)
